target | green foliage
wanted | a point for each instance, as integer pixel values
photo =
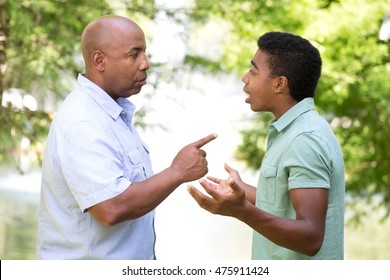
(355, 91)
(247, 21)
(18, 123)
(201, 63)
(252, 148)
(43, 39)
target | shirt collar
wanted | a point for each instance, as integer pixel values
(128, 107)
(303, 106)
(114, 109)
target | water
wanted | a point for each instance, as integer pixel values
(19, 198)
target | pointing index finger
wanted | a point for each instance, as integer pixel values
(201, 142)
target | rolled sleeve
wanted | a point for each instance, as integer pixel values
(308, 162)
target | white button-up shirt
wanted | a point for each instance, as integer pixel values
(92, 155)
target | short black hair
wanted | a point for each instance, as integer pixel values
(295, 58)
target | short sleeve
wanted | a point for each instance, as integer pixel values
(91, 164)
(308, 162)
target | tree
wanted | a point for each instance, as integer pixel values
(354, 91)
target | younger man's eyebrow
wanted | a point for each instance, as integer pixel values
(254, 64)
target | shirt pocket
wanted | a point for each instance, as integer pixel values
(267, 183)
(147, 163)
(134, 168)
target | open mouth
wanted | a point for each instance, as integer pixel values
(248, 96)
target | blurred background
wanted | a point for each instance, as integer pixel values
(198, 50)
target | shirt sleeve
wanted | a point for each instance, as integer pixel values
(308, 162)
(91, 164)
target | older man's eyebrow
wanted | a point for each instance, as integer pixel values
(137, 49)
(254, 64)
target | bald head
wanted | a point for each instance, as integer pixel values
(104, 34)
(114, 50)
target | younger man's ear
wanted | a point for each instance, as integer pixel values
(281, 84)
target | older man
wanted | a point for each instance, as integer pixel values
(98, 189)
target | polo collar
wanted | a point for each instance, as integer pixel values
(303, 106)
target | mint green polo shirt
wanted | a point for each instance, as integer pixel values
(302, 152)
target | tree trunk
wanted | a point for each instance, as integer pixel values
(4, 32)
